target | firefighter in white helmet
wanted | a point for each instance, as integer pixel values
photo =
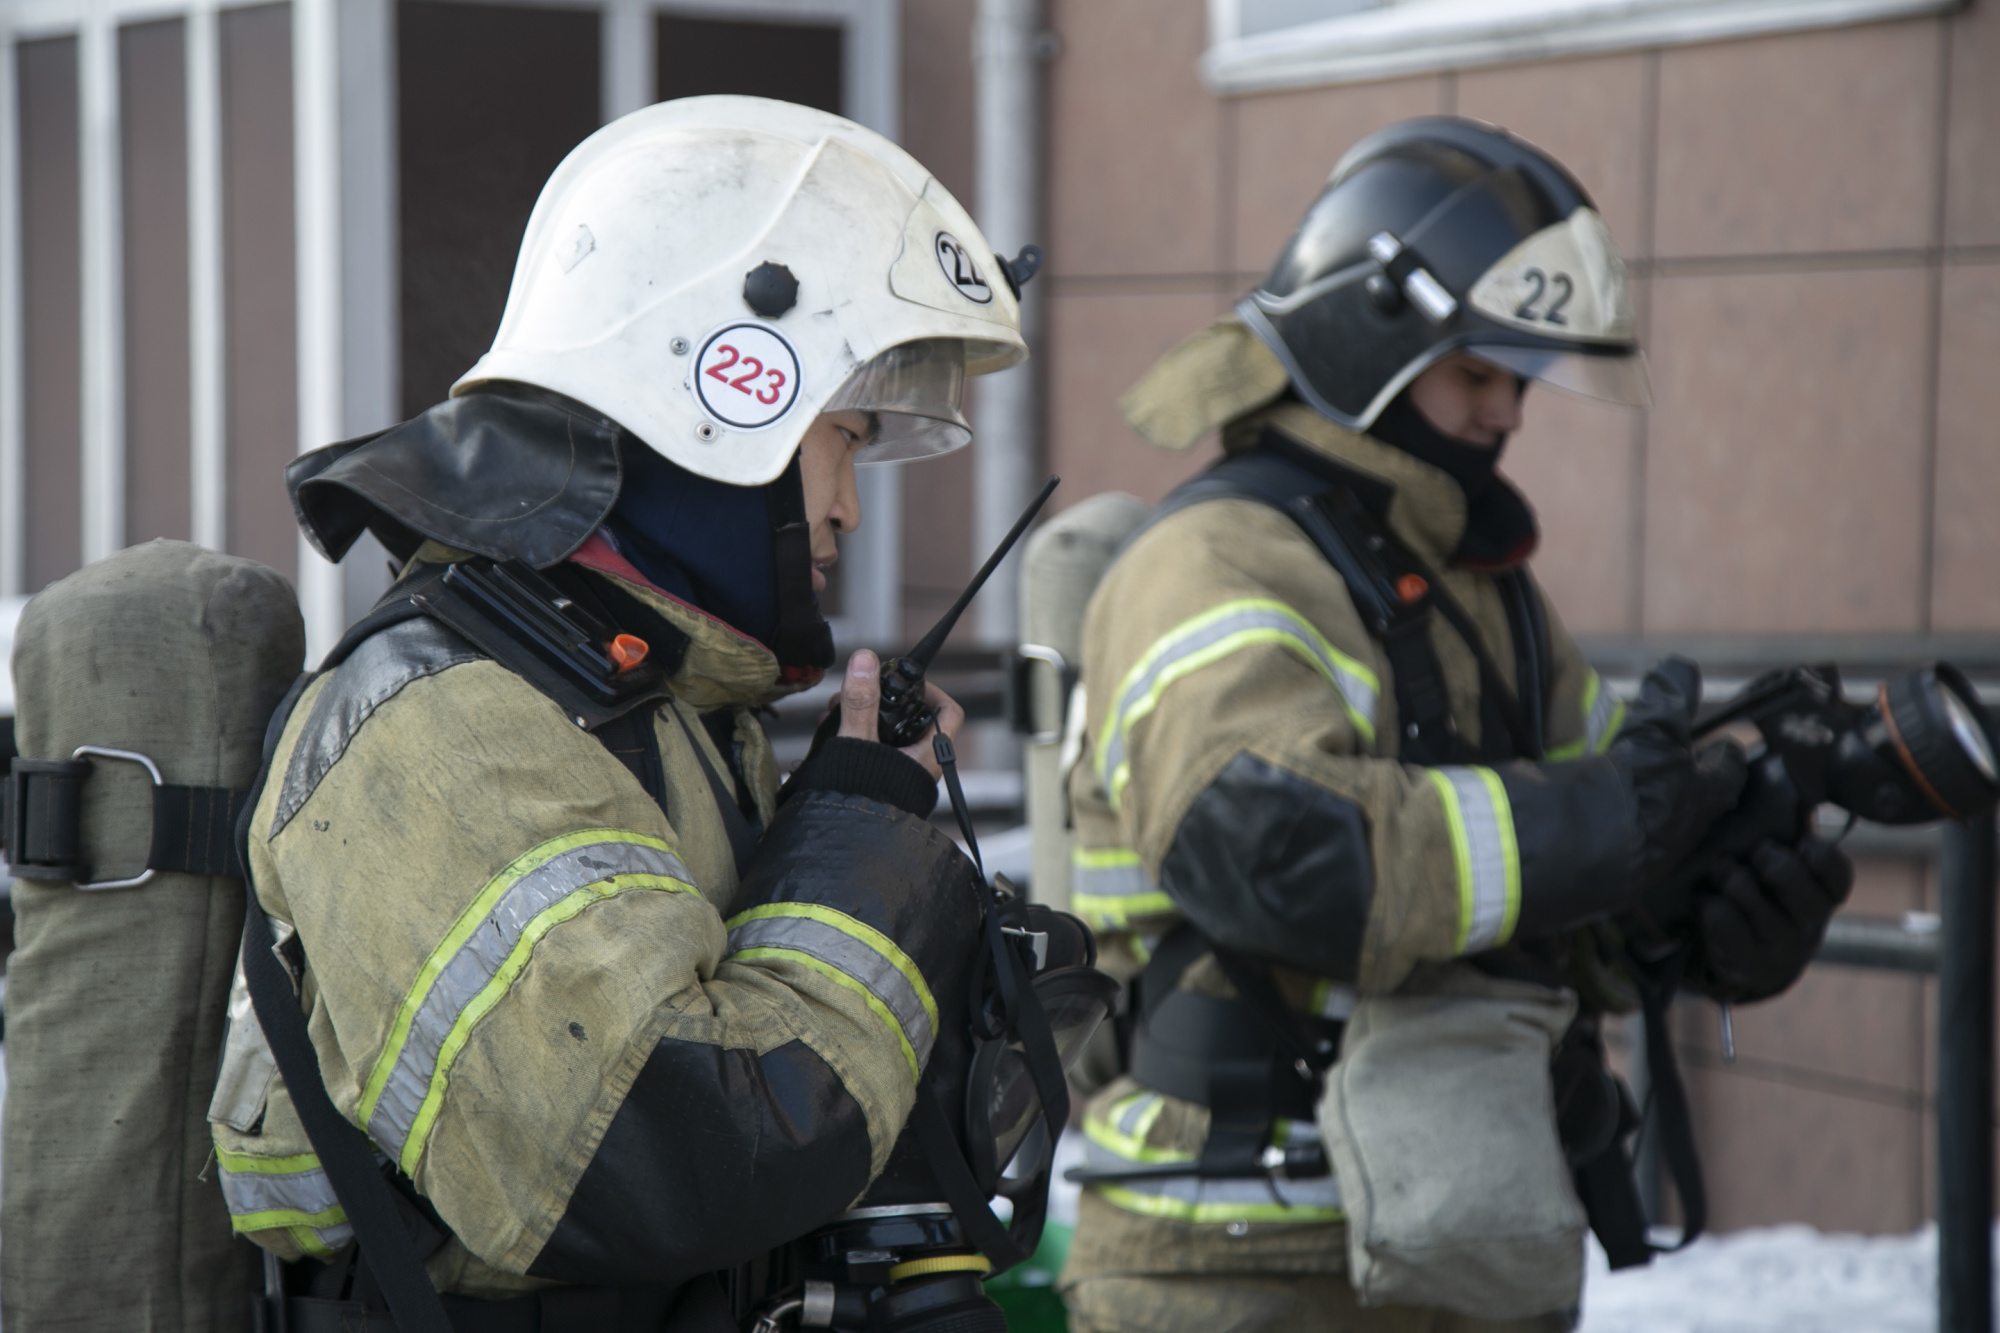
(609, 1023)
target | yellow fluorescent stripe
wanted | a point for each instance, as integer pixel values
(1509, 850)
(243, 1163)
(1180, 1210)
(1461, 851)
(309, 1241)
(860, 930)
(468, 921)
(278, 1219)
(1118, 910)
(1214, 652)
(832, 973)
(503, 981)
(1103, 1131)
(1302, 638)
(1103, 858)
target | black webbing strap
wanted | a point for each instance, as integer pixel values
(194, 828)
(344, 1152)
(742, 838)
(1667, 1107)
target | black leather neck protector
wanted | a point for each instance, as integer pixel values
(1500, 528)
(803, 639)
(516, 473)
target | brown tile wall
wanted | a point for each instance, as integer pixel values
(51, 304)
(152, 109)
(1813, 224)
(938, 131)
(259, 312)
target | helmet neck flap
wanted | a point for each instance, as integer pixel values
(518, 473)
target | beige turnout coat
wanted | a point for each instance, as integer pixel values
(1222, 641)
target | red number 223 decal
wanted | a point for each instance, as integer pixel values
(767, 395)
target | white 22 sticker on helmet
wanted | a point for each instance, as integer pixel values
(747, 376)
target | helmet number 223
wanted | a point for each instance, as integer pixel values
(746, 376)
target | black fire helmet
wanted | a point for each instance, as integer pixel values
(1440, 235)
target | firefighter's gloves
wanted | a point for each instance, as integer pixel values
(1676, 791)
(1759, 921)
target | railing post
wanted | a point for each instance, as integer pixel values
(1966, 873)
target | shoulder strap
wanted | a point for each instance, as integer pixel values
(345, 1153)
(1335, 522)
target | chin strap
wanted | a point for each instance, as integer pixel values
(803, 638)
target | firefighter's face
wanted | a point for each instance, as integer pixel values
(1474, 402)
(826, 473)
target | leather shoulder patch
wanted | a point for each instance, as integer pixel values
(371, 676)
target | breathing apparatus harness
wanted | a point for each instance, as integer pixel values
(1255, 1059)
(992, 1103)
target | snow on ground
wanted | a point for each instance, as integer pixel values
(1787, 1279)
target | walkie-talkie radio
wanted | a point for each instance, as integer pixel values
(905, 716)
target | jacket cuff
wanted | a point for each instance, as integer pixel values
(854, 767)
(1577, 839)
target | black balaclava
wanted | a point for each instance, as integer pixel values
(730, 550)
(1500, 529)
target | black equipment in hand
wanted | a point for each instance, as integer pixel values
(1759, 921)
(1922, 749)
(1679, 791)
(905, 716)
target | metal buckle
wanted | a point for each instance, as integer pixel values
(152, 771)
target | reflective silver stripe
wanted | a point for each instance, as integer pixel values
(1119, 875)
(1605, 712)
(1210, 637)
(852, 955)
(479, 959)
(1192, 1199)
(1482, 836)
(306, 1191)
(1334, 1001)
(1109, 887)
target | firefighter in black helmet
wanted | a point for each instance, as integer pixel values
(1348, 789)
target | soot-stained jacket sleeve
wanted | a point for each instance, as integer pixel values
(1241, 725)
(535, 1011)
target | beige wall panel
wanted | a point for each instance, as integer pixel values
(1777, 1151)
(152, 108)
(1284, 145)
(1965, 581)
(1576, 462)
(1590, 114)
(1101, 344)
(260, 304)
(1972, 143)
(1132, 155)
(51, 310)
(1785, 463)
(1806, 142)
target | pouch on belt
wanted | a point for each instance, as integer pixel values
(1440, 1121)
(116, 996)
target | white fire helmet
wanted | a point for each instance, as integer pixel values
(713, 273)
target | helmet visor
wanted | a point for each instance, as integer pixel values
(913, 392)
(1617, 378)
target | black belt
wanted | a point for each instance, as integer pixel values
(193, 827)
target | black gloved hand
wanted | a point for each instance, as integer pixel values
(1759, 921)
(1679, 791)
